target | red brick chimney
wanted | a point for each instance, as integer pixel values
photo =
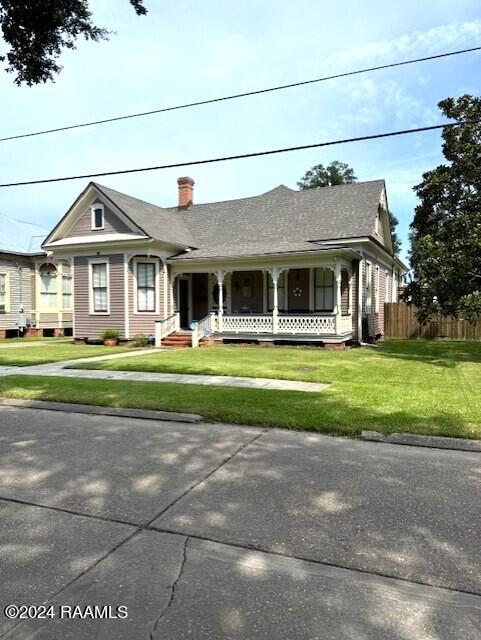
(186, 192)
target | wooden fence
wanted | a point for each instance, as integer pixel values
(400, 322)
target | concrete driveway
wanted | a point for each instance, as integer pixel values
(217, 531)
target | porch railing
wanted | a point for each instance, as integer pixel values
(203, 328)
(247, 324)
(165, 327)
(287, 324)
(307, 324)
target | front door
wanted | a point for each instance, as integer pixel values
(298, 290)
(183, 302)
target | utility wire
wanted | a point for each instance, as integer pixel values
(243, 156)
(235, 96)
(32, 224)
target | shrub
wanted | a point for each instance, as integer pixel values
(140, 340)
(110, 334)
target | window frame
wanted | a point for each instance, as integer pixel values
(324, 287)
(67, 277)
(92, 310)
(368, 287)
(48, 295)
(6, 305)
(155, 262)
(93, 209)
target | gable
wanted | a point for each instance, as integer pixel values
(83, 224)
(77, 222)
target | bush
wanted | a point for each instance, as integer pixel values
(140, 340)
(110, 334)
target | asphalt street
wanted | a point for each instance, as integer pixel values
(206, 531)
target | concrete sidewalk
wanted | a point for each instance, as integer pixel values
(217, 531)
(59, 369)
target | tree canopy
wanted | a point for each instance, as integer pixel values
(446, 229)
(320, 176)
(36, 32)
(341, 173)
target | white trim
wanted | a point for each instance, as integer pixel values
(126, 296)
(377, 284)
(95, 207)
(368, 287)
(155, 262)
(91, 262)
(166, 288)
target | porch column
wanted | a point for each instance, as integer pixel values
(275, 275)
(337, 308)
(220, 282)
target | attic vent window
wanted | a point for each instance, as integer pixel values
(97, 217)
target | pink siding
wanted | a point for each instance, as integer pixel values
(112, 224)
(91, 325)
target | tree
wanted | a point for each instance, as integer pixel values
(446, 229)
(341, 173)
(396, 242)
(320, 176)
(37, 30)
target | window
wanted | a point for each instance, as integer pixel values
(146, 298)
(48, 286)
(387, 286)
(376, 289)
(280, 292)
(324, 290)
(66, 292)
(368, 287)
(97, 216)
(99, 287)
(4, 307)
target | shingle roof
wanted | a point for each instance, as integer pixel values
(280, 220)
(157, 222)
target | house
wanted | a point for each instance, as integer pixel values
(35, 295)
(285, 265)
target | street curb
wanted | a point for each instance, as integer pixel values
(143, 414)
(414, 440)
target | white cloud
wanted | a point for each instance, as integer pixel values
(417, 43)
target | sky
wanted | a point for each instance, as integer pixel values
(185, 50)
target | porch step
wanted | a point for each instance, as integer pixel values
(178, 340)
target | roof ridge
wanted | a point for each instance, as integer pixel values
(127, 195)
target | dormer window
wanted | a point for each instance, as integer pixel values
(97, 217)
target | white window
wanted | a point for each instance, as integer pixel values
(324, 290)
(48, 286)
(387, 286)
(66, 292)
(99, 287)
(146, 287)
(98, 215)
(3, 293)
(368, 287)
(376, 289)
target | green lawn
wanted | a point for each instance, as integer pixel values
(25, 356)
(7, 341)
(415, 386)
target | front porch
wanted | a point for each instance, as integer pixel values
(291, 304)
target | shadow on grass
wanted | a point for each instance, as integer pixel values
(435, 352)
(323, 412)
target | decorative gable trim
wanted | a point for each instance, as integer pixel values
(77, 209)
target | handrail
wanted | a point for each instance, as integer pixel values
(200, 328)
(165, 327)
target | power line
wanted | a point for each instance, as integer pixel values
(243, 156)
(235, 96)
(32, 224)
